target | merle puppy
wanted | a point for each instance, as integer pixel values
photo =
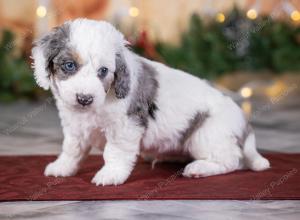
(111, 98)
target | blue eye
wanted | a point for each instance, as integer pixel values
(102, 72)
(69, 66)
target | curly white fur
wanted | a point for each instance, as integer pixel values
(106, 122)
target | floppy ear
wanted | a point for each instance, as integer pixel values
(122, 77)
(43, 52)
(41, 75)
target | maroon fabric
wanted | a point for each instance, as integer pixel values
(21, 178)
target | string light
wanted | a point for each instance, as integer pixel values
(252, 14)
(246, 92)
(134, 12)
(41, 11)
(295, 15)
(220, 17)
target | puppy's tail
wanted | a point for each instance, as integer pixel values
(253, 159)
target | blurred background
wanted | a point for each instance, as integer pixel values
(250, 49)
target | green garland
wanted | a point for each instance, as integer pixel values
(16, 78)
(206, 50)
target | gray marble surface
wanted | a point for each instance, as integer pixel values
(34, 128)
(231, 210)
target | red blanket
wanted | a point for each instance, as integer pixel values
(21, 178)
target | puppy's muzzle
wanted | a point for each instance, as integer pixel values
(84, 100)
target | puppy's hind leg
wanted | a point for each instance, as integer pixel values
(214, 153)
(203, 168)
(208, 166)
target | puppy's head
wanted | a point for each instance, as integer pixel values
(81, 60)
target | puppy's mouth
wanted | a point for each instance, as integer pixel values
(80, 107)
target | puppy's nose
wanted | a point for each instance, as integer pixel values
(84, 99)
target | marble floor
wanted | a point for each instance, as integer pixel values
(33, 128)
(190, 210)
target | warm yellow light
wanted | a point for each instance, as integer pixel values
(252, 14)
(220, 17)
(276, 89)
(41, 11)
(134, 12)
(295, 16)
(247, 107)
(246, 92)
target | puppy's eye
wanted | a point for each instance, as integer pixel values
(69, 66)
(102, 72)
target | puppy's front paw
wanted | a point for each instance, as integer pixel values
(110, 176)
(61, 167)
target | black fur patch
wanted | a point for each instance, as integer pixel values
(143, 104)
(53, 43)
(122, 78)
(195, 123)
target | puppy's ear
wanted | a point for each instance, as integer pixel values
(43, 52)
(122, 77)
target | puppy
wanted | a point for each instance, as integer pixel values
(111, 98)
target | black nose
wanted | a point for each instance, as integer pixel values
(84, 99)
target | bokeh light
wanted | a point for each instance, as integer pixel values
(134, 12)
(252, 14)
(41, 11)
(246, 92)
(295, 16)
(220, 17)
